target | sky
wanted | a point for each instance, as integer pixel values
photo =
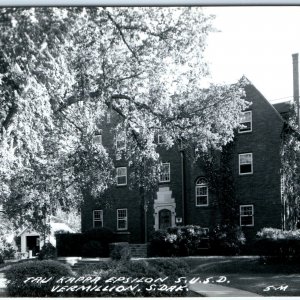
(257, 42)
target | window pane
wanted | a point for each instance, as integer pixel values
(121, 180)
(121, 171)
(246, 126)
(247, 220)
(98, 224)
(246, 158)
(246, 116)
(245, 168)
(122, 224)
(202, 200)
(122, 213)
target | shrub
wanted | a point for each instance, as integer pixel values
(95, 269)
(48, 251)
(103, 234)
(7, 250)
(69, 244)
(94, 249)
(132, 269)
(173, 267)
(278, 245)
(178, 241)
(227, 239)
(18, 273)
(120, 251)
(92, 243)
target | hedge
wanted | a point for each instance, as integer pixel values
(18, 273)
(194, 240)
(278, 245)
(171, 269)
(92, 243)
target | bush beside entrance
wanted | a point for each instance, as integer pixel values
(194, 240)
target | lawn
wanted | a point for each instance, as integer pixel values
(250, 274)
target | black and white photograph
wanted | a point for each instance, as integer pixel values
(149, 151)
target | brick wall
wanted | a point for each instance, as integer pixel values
(262, 188)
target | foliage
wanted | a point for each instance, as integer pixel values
(94, 248)
(48, 251)
(92, 243)
(18, 273)
(278, 234)
(178, 241)
(120, 251)
(290, 173)
(63, 70)
(69, 244)
(7, 251)
(173, 267)
(276, 245)
(227, 239)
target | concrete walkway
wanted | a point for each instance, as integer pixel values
(216, 290)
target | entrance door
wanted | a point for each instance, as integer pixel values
(33, 243)
(164, 219)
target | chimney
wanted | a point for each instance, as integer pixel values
(296, 86)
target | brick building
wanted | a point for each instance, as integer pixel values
(185, 194)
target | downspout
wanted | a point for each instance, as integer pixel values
(182, 157)
(296, 86)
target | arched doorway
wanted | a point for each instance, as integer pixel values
(165, 219)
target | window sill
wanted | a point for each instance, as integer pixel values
(122, 232)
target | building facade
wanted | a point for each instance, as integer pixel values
(186, 193)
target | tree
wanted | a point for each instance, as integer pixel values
(63, 70)
(290, 172)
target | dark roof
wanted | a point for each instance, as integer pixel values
(283, 107)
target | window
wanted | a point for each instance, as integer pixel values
(245, 163)
(201, 192)
(165, 173)
(121, 176)
(98, 218)
(160, 139)
(122, 219)
(97, 138)
(246, 215)
(246, 121)
(121, 141)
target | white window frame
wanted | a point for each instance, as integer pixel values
(240, 155)
(159, 139)
(118, 176)
(122, 219)
(97, 138)
(242, 130)
(201, 185)
(252, 215)
(97, 219)
(121, 137)
(168, 175)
